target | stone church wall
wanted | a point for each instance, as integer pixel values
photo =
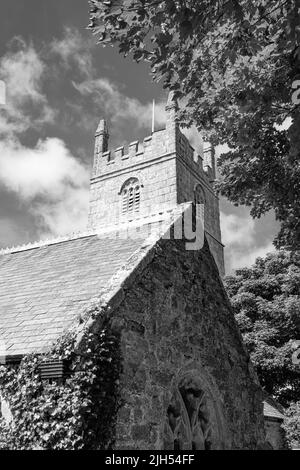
(275, 434)
(187, 382)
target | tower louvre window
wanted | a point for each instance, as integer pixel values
(131, 196)
(137, 198)
(199, 199)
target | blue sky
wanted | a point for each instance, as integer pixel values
(59, 83)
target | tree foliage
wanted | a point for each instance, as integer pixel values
(232, 63)
(266, 303)
(292, 426)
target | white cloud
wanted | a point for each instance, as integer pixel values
(49, 180)
(23, 72)
(237, 230)
(247, 256)
(2, 92)
(240, 240)
(44, 170)
(118, 106)
(66, 215)
(74, 51)
(9, 232)
(195, 138)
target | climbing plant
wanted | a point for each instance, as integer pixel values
(72, 414)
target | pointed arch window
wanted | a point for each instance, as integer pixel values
(189, 422)
(131, 196)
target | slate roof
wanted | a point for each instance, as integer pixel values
(43, 290)
(46, 287)
(272, 409)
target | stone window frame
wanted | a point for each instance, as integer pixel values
(183, 426)
(200, 201)
(130, 197)
(194, 418)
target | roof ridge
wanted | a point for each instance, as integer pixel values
(150, 218)
(47, 242)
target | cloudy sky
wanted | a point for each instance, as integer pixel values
(59, 83)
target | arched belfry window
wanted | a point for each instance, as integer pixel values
(131, 196)
(199, 200)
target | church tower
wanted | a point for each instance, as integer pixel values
(153, 176)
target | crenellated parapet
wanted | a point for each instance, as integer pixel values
(202, 164)
(155, 146)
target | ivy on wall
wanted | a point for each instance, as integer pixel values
(76, 413)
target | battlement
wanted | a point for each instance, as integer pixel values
(154, 146)
(127, 155)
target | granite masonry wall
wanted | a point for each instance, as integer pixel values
(176, 322)
(156, 172)
(190, 173)
(275, 434)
